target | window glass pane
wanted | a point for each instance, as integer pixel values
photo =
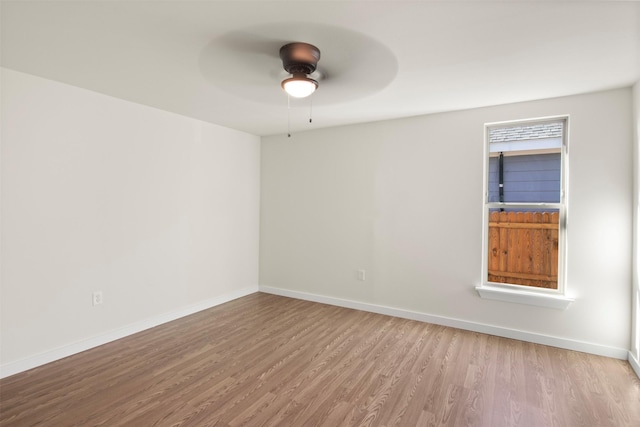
(523, 247)
(525, 163)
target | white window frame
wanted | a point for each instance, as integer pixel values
(551, 298)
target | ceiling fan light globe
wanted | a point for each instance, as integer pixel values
(299, 86)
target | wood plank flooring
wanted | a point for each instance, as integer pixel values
(265, 360)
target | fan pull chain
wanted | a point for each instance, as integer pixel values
(311, 110)
(288, 116)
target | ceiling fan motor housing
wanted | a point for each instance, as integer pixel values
(299, 58)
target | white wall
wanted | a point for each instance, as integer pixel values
(635, 326)
(158, 211)
(402, 200)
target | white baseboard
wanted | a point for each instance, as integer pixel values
(86, 344)
(585, 347)
(635, 364)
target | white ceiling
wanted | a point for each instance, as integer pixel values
(218, 61)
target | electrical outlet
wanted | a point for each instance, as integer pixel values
(97, 298)
(361, 275)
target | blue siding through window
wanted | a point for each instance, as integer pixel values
(528, 178)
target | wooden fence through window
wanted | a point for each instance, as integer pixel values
(523, 248)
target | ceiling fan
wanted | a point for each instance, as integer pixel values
(300, 60)
(258, 62)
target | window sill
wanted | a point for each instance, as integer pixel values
(559, 302)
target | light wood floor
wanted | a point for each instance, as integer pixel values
(274, 361)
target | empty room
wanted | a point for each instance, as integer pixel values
(320, 213)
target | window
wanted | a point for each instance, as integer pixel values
(524, 211)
